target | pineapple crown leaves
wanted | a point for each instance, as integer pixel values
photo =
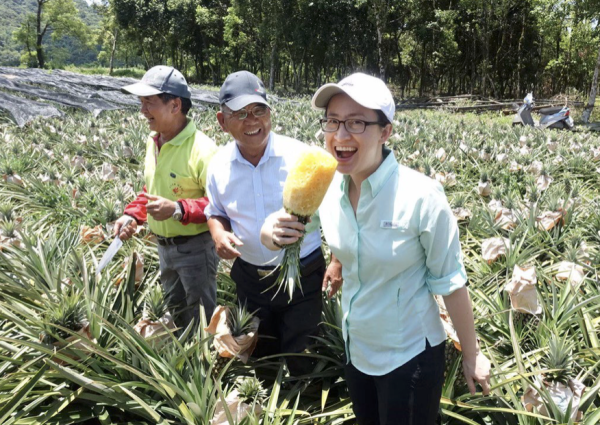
(155, 303)
(240, 320)
(559, 359)
(7, 211)
(459, 200)
(250, 390)
(9, 228)
(68, 312)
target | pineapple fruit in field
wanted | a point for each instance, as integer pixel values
(235, 332)
(156, 320)
(65, 323)
(251, 391)
(303, 192)
(484, 186)
(9, 234)
(453, 351)
(138, 260)
(523, 293)
(556, 383)
(493, 248)
(570, 269)
(246, 399)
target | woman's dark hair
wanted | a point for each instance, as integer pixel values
(186, 104)
(382, 118)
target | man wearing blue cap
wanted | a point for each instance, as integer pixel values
(173, 200)
(245, 185)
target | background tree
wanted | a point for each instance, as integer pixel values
(58, 17)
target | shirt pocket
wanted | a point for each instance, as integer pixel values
(182, 186)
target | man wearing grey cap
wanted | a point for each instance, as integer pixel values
(244, 186)
(173, 199)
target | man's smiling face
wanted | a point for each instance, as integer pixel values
(251, 133)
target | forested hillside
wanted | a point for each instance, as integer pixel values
(12, 13)
(500, 48)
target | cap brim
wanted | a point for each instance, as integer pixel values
(140, 89)
(242, 101)
(324, 94)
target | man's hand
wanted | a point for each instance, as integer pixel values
(225, 243)
(280, 229)
(332, 281)
(159, 208)
(477, 371)
(125, 232)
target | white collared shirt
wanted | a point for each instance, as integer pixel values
(246, 195)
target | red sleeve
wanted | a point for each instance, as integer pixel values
(137, 207)
(193, 210)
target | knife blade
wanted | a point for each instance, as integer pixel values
(112, 250)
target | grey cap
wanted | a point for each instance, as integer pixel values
(160, 79)
(241, 89)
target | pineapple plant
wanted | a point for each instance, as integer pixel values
(558, 391)
(7, 211)
(251, 391)
(239, 324)
(155, 304)
(558, 363)
(485, 186)
(304, 189)
(63, 319)
(453, 367)
(155, 317)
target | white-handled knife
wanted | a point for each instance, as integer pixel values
(112, 249)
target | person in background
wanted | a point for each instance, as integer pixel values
(392, 233)
(173, 200)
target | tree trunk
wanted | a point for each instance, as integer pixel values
(39, 35)
(587, 111)
(519, 54)
(113, 50)
(272, 67)
(379, 23)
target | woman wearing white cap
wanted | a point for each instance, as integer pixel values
(393, 234)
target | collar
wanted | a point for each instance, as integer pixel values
(273, 149)
(187, 131)
(377, 180)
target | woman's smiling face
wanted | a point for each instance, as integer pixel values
(358, 155)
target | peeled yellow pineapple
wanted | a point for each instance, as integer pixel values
(308, 181)
(304, 190)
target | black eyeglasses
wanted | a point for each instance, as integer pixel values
(331, 125)
(258, 111)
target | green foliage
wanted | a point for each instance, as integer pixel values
(69, 35)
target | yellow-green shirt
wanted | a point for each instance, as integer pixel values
(178, 171)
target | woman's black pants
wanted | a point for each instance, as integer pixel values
(408, 395)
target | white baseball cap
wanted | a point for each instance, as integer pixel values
(366, 90)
